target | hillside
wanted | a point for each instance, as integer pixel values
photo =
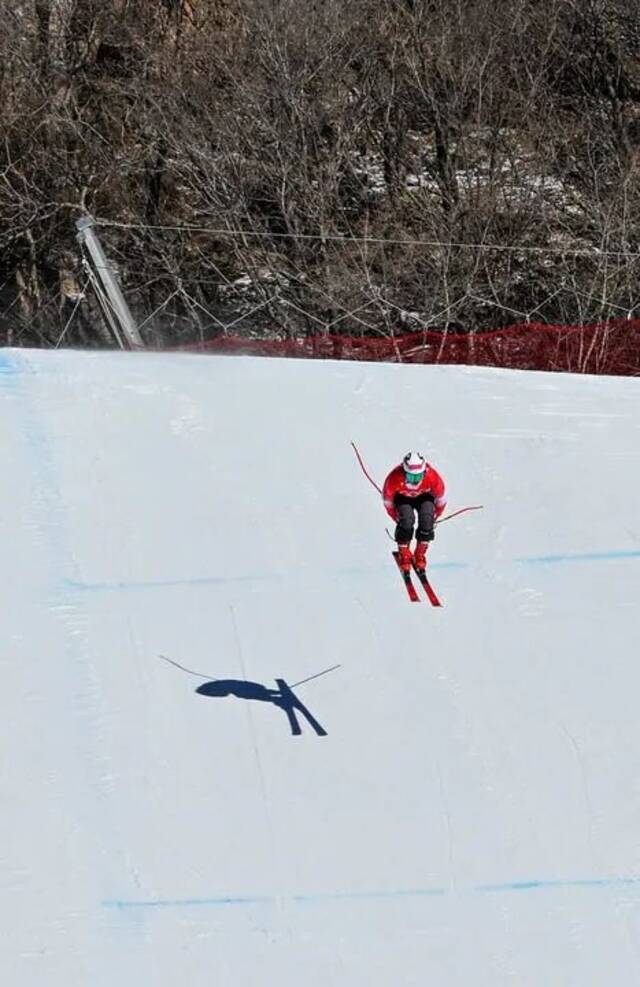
(292, 169)
(461, 803)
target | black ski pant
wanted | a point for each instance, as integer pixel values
(407, 508)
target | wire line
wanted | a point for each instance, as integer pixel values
(405, 242)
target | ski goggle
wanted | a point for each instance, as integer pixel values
(413, 477)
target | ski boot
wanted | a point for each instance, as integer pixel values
(405, 558)
(420, 556)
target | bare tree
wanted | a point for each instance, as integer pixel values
(287, 168)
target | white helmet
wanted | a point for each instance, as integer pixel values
(414, 465)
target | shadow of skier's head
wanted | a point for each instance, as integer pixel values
(219, 688)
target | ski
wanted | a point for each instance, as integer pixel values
(406, 579)
(427, 587)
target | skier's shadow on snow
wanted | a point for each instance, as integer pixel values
(283, 697)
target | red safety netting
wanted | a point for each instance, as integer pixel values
(601, 348)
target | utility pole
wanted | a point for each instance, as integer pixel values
(112, 301)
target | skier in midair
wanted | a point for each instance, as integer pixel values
(413, 488)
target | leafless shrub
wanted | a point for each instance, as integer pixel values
(291, 168)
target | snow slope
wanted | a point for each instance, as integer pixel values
(472, 814)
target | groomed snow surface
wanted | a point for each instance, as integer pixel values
(472, 815)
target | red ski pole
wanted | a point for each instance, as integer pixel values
(463, 510)
(364, 469)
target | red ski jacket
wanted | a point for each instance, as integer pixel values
(431, 483)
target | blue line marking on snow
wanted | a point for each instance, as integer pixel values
(267, 577)
(78, 735)
(187, 902)
(301, 899)
(8, 367)
(578, 557)
(169, 583)
(613, 882)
